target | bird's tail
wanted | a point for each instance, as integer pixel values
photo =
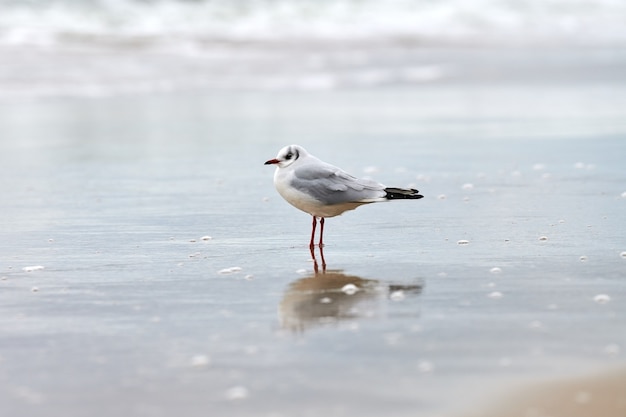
(402, 193)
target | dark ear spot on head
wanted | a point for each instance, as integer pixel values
(292, 154)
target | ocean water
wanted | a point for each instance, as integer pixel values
(101, 48)
(509, 271)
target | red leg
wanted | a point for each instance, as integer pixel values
(314, 258)
(321, 232)
(315, 267)
(312, 244)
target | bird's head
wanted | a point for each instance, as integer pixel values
(287, 156)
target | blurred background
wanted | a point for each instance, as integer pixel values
(95, 48)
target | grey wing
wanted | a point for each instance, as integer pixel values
(331, 185)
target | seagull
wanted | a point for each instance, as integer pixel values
(324, 190)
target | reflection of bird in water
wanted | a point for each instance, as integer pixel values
(334, 296)
(314, 258)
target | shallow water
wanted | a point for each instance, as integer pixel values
(134, 313)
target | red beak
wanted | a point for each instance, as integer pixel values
(272, 161)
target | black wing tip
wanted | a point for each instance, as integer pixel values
(402, 194)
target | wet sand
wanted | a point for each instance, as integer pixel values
(148, 267)
(601, 394)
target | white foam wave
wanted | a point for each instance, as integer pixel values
(97, 48)
(167, 22)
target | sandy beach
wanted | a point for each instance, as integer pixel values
(594, 395)
(148, 267)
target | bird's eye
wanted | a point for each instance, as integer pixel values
(289, 155)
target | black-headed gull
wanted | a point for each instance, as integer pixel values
(323, 190)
